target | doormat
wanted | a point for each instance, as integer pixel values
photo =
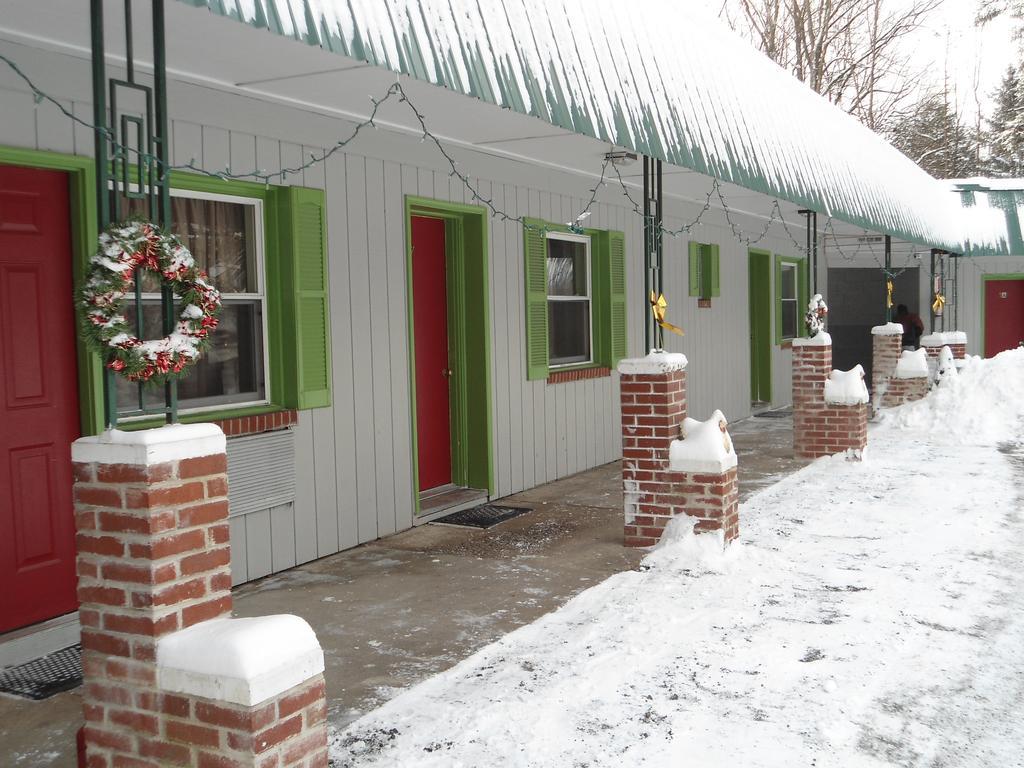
(42, 678)
(483, 516)
(783, 413)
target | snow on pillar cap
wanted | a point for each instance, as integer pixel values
(656, 362)
(705, 447)
(242, 661)
(846, 387)
(822, 339)
(146, 447)
(889, 329)
(941, 339)
(912, 365)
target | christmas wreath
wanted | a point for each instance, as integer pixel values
(123, 250)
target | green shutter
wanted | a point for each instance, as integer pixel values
(778, 299)
(694, 268)
(713, 252)
(536, 272)
(617, 304)
(303, 377)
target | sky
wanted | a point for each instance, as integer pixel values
(983, 52)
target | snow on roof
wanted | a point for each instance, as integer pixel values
(990, 203)
(660, 77)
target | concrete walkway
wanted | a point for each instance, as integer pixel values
(398, 610)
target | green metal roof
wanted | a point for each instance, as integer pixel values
(651, 76)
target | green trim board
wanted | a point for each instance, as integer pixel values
(759, 300)
(607, 291)
(467, 258)
(984, 280)
(81, 173)
(801, 294)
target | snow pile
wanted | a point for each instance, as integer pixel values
(846, 387)
(889, 329)
(872, 617)
(941, 338)
(913, 364)
(704, 447)
(244, 661)
(682, 549)
(822, 339)
(946, 367)
(983, 404)
(658, 361)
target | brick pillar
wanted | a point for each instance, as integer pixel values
(821, 428)
(934, 342)
(653, 403)
(886, 345)
(151, 513)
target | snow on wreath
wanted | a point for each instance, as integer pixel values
(123, 249)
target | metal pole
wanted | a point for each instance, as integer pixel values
(647, 253)
(931, 291)
(658, 276)
(814, 245)
(888, 276)
(163, 214)
(99, 118)
(956, 292)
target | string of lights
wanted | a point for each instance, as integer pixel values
(395, 92)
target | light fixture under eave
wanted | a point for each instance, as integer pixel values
(620, 157)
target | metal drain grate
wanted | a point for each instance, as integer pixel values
(42, 678)
(483, 516)
(782, 413)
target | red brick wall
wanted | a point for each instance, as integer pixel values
(653, 410)
(820, 429)
(885, 354)
(153, 558)
(902, 391)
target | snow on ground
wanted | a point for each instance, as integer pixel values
(871, 615)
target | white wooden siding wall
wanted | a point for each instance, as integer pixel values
(354, 459)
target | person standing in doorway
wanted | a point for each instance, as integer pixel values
(912, 324)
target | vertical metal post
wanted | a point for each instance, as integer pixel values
(162, 215)
(101, 137)
(956, 291)
(888, 276)
(648, 320)
(931, 291)
(658, 274)
(814, 245)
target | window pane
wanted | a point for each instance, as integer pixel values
(221, 236)
(789, 318)
(230, 370)
(568, 332)
(788, 286)
(567, 267)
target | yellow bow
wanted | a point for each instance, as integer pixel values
(888, 298)
(658, 307)
(939, 303)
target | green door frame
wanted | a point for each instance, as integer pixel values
(469, 335)
(759, 300)
(984, 280)
(81, 173)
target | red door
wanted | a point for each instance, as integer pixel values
(1004, 315)
(38, 398)
(430, 317)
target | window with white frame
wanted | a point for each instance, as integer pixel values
(569, 299)
(788, 300)
(225, 235)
